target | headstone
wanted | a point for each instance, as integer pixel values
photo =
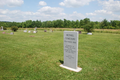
(2, 28)
(35, 28)
(79, 32)
(71, 51)
(25, 30)
(29, 31)
(11, 33)
(34, 31)
(45, 30)
(74, 29)
(89, 33)
(51, 30)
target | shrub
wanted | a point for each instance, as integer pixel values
(14, 28)
(89, 27)
(4, 28)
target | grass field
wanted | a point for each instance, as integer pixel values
(28, 56)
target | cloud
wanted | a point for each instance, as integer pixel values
(75, 3)
(42, 3)
(91, 14)
(43, 14)
(103, 14)
(76, 16)
(111, 5)
(51, 10)
(100, 12)
(110, 11)
(11, 3)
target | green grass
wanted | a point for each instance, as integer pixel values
(28, 56)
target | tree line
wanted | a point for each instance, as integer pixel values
(105, 24)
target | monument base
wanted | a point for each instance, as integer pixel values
(75, 70)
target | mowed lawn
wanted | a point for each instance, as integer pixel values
(28, 56)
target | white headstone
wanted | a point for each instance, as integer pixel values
(71, 51)
(2, 28)
(34, 31)
(25, 30)
(35, 28)
(89, 33)
(29, 31)
(74, 29)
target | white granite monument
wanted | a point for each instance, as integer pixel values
(34, 31)
(25, 30)
(71, 51)
(29, 31)
(2, 28)
(35, 28)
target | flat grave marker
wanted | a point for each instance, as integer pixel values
(29, 31)
(34, 31)
(25, 30)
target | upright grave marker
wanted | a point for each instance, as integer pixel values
(35, 30)
(2, 28)
(71, 51)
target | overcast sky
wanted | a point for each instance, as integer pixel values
(22, 10)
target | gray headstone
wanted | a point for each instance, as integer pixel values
(2, 28)
(35, 28)
(70, 49)
(74, 29)
(11, 33)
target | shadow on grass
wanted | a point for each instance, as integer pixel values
(61, 61)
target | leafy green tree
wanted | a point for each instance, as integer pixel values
(29, 23)
(104, 24)
(86, 21)
(69, 24)
(89, 27)
(23, 24)
(65, 23)
(77, 24)
(81, 23)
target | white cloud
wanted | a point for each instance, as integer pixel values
(110, 11)
(42, 3)
(76, 16)
(50, 10)
(91, 14)
(4, 11)
(11, 3)
(99, 15)
(111, 5)
(75, 3)
(100, 12)
(43, 14)
(103, 12)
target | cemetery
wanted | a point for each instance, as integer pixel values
(59, 54)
